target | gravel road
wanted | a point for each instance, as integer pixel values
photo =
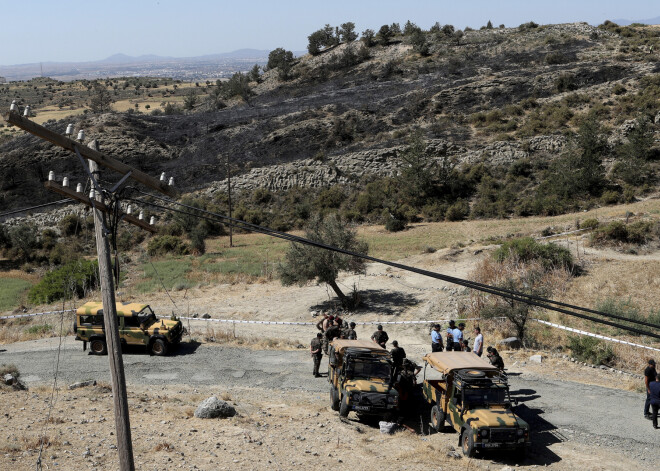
(558, 411)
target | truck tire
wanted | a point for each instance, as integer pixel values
(343, 407)
(334, 398)
(98, 347)
(159, 347)
(437, 418)
(467, 443)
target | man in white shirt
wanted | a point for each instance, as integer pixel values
(478, 347)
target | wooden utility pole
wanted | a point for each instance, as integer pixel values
(231, 226)
(122, 422)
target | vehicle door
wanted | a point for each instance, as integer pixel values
(456, 406)
(130, 331)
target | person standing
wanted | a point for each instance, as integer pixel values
(380, 336)
(654, 389)
(478, 347)
(398, 354)
(450, 337)
(350, 333)
(436, 339)
(649, 377)
(457, 335)
(317, 353)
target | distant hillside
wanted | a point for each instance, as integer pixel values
(651, 21)
(422, 125)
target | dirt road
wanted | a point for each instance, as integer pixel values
(558, 411)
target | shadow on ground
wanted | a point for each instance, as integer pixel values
(384, 301)
(184, 348)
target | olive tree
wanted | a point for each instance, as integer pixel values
(304, 263)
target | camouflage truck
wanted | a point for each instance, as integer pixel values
(138, 325)
(359, 373)
(473, 396)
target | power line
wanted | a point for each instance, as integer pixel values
(509, 294)
(34, 207)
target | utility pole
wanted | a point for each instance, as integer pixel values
(231, 226)
(122, 422)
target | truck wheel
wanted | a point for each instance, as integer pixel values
(468, 443)
(437, 418)
(334, 398)
(343, 408)
(98, 347)
(158, 347)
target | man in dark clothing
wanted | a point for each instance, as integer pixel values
(348, 332)
(450, 336)
(317, 353)
(495, 358)
(654, 387)
(398, 354)
(649, 377)
(380, 336)
(333, 332)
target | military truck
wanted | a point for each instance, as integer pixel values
(138, 325)
(359, 373)
(473, 397)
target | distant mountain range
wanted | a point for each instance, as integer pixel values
(188, 68)
(652, 21)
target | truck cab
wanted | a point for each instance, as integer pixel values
(473, 397)
(360, 379)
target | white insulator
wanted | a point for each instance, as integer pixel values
(171, 181)
(51, 176)
(79, 188)
(81, 135)
(65, 182)
(152, 221)
(162, 177)
(129, 210)
(141, 215)
(26, 111)
(69, 129)
(92, 194)
(13, 106)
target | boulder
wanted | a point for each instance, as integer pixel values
(536, 359)
(511, 342)
(82, 384)
(9, 379)
(213, 407)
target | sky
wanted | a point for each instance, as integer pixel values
(77, 31)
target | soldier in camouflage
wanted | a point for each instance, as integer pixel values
(380, 336)
(317, 353)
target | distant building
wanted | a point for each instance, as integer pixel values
(3, 80)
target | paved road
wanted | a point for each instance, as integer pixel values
(556, 410)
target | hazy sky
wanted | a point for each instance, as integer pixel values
(77, 30)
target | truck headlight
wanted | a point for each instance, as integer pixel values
(355, 397)
(392, 399)
(484, 432)
(520, 432)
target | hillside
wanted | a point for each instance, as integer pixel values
(497, 103)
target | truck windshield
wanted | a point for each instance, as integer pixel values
(146, 317)
(485, 395)
(365, 369)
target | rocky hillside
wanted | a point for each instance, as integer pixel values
(492, 97)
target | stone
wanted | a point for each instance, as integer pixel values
(511, 342)
(206, 316)
(213, 407)
(82, 384)
(9, 379)
(536, 359)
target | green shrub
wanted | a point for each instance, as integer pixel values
(527, 249)
(39, 329)
(74, 278)
(641, 232)
(458, 211)
(394, 224)
(435, 212)
(615, 230)
(161, 245)
(590, 224)
(591, 350)
(610, 197)
(622, 308)
(70, 225)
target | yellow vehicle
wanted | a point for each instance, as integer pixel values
(138, 325)
(473, 396)
(359, 373)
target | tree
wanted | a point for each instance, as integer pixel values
(282, 60)
(347, 32)
(368, 37)
(384, 35)
(458, 35)
(304, 263)
(101, 99)
(315, 42)
(410, 28)
(395, 28)
(254, 73)
(632, 166)
(489, 25)
(419, 42)
(416, 170)
(190, 100)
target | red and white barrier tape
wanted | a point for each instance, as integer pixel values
(240, 321)
(589, 334)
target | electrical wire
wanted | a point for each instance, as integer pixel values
(35, 207)
(505, 293)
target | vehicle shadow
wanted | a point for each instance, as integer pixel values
(384, 301)
(184, 348)
(524, 395)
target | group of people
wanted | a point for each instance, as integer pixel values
(457, 343)
(330, 327)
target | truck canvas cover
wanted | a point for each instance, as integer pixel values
(445, 362)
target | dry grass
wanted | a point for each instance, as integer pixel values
(226, 337)
(28, 442)
(164, 446)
